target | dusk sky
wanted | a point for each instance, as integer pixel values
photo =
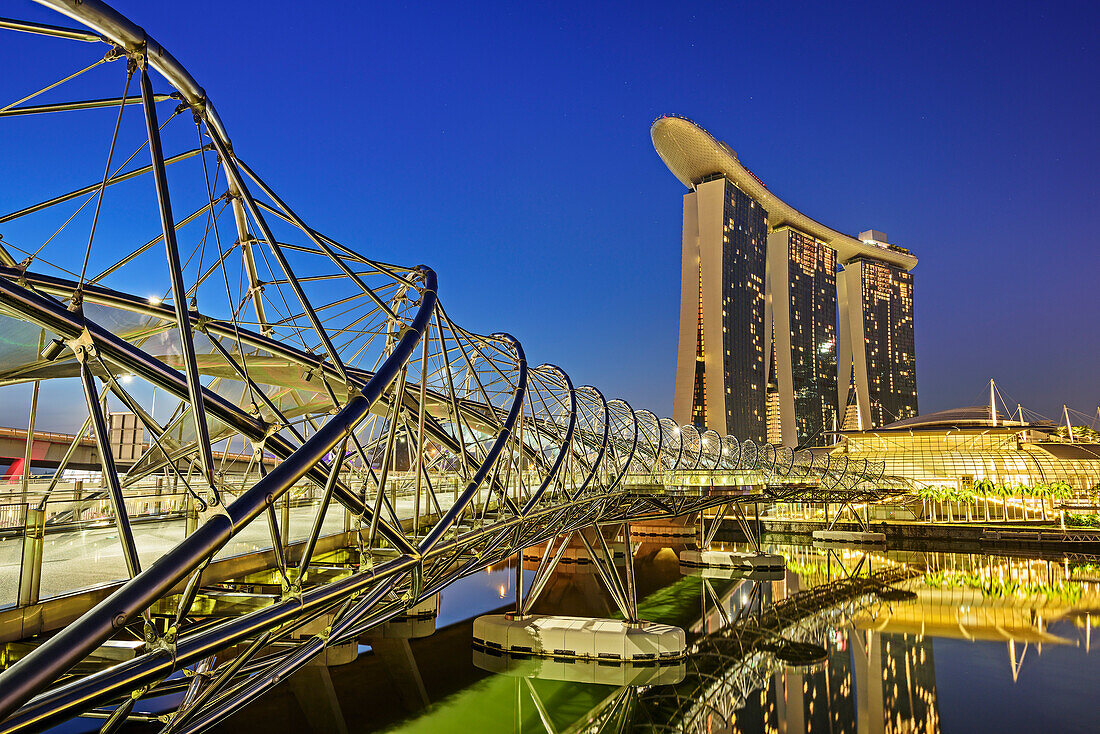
(508, 148)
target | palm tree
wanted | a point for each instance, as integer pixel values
(947, 493)
(1022, 491)
(966, 495)
(1041, 491)
(926, 493)
(1002, 491)
(1061, 490)
(934, 498)
(986, 488)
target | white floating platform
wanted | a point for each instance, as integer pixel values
(571, 638)
(732, 559)
(715, 572)
(849, 536)
(598, 672)
(571, 555)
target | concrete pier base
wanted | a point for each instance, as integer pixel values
(732, 559)
(579, 638)
(849, 537)
(415, 622)
(574, 555)
(597, 672)
(714, 572)
(397, 658)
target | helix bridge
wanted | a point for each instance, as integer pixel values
(318, 369)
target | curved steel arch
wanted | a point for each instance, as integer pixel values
(712, 446)
(347, 371)
(626, 420)
(672, 444)
(692, 452)
(649, 429)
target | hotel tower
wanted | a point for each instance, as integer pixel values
(787, 328)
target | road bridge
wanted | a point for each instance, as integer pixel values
(443, 450)
(49, 450)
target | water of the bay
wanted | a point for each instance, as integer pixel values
(972, 642)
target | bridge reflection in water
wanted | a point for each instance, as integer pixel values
(872, 616)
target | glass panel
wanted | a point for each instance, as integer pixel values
(82, 548)
(12, 518)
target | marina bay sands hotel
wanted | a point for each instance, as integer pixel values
(788, 329)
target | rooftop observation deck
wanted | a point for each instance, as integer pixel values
(693, 154)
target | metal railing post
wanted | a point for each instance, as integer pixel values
(26, 478)
(190, 514)
(30, 572)
(286, 522)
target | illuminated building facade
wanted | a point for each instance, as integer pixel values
(803, 300)
(964, 446)
(721, 377)
(876, 308)
(762, 352)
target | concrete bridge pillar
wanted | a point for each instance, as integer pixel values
(390, 644)
(312, 688)
(397, 658)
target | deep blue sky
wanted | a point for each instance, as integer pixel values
(508, 147)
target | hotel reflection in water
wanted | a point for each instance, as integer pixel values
(831, 698)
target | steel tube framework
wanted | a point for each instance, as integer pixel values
(446, 449)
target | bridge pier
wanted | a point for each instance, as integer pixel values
(573, 557)
(390, 644)
(580, 671)
(733, 560)
(755, 561)
(415, 622)
(332, 655)
(579, 638)
(863, 536)
(397, 658)
(629, 639)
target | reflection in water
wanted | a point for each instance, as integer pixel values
(844, 641)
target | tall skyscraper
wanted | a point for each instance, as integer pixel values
(720, 377)
(876, 353)
(802, 299)
(760, 353)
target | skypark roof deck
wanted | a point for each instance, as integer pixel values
(693, 154)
